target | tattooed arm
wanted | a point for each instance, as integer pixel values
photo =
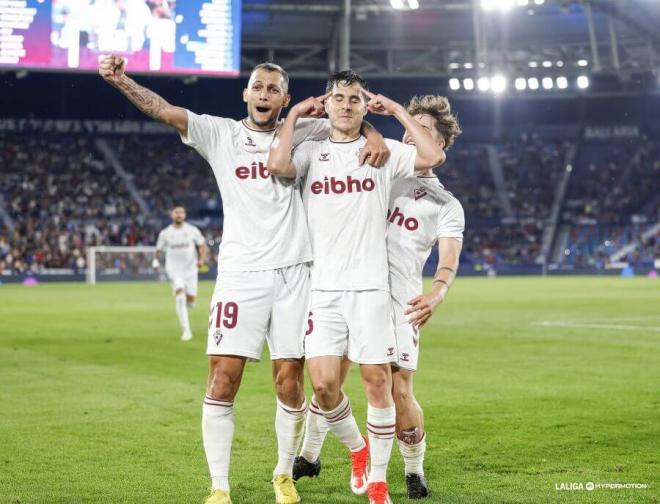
(111, 68)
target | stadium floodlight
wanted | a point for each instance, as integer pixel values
(521, 83)
(483, 84)
(533, 64)
(501, 5)
(523, 3)
(498, 84)
(539, 2)
(547, 64)
(454, 84)
(454, 66)
(468, 84)
(559, 63)
(583, 82)
(582, 62)
(401, 4)
(547, 83)
(562, 82)
(468, 65)
(533, 83)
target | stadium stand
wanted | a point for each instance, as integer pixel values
(61, 195)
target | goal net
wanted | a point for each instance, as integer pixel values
(120, 263)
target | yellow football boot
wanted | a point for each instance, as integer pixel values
(285, 490)
(218, 497)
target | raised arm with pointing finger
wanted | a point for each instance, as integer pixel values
(112, 69)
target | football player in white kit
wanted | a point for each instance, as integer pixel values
(351, 311)
(263, 265)
(185, 252)
(420, 213)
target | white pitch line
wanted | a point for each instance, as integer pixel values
(587, 325)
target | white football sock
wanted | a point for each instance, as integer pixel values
(316, 428)
(342, 424)
(218, 432)
(381, 423)
(413, 456)
(182, 311)
(289, 423)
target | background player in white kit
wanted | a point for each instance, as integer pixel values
(185, 252)
(263, 273)
(420, 213)
(351, 307)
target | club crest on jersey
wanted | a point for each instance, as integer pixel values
(218, 337)
(324, 156)
(420, 192)
(250, 142)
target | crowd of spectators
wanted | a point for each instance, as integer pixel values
(614, 181)
(62, 197)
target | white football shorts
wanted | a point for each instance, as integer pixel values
(183, 278)
(358, 324)
(407, 338)
(250, 307)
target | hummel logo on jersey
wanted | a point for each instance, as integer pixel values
(420, 192)
(324, 156)
(254, 171)
(250, 142)
(396, 217)
(404, 357)
(390, 351)
(333, 185)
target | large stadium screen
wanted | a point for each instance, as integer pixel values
(156, 36)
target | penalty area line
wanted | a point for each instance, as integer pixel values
(589, 325)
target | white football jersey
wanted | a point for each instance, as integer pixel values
(180, 245)
(264, 219)
(346, 210)
(421, 210)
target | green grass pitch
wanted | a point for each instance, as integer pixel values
(527, 383)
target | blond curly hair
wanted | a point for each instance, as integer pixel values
(439, 109)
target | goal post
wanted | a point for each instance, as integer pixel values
(120, 263)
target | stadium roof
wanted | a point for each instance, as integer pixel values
(455, 37)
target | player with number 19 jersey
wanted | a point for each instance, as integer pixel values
(263, 275)
(421, 210)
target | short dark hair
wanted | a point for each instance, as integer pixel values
(439, 109)
(345, 78)
(178, 205)
(269, 66)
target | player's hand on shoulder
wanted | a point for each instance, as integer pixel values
(311, 107)
(381, 104)
(112, 68)
(421, 308)
(375, 152)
